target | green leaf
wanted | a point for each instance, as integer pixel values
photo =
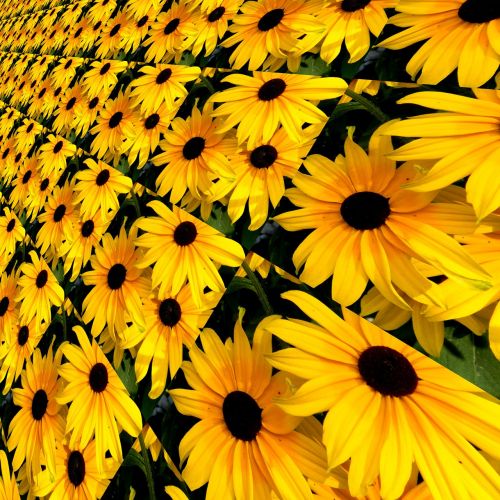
(220, 220)
(238, 283)
(126, 373)
(134, 459)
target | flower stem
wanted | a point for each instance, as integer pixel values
(147, 468)
(135, 202)
(208, 84)
(368, 105)
(258, 288)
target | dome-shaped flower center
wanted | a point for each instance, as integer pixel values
(105, 68)
(98, 377)
(97, 25)
(365, 210)
(59, 213)
(58, 147)
(68, 64)
(26, 176)
(479, 11)
(216, 14)
(242, 415)
(142, 21)
(87, 228)
(270, 19)
(4, 305)
(387, 371)
(102, 177)
(30, 128)
(169, 312)
(193, 148)
(94, 102)
(171, 26)
(353, 5)
(11, 225)
(41, 279)
(42, 93)
(57, 91)
(115, 120)
(39, 404)
(78, 32)
(163, 76)
(23, 335)
(263, 156)
(185, 233)
(116, 276)
(70, 103)
(44, 184)
(18, 157)
(76, 468)
(115, 29)
(152, 121)
(272, 89)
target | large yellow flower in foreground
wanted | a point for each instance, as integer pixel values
(464, 137)
(244, 446)
(366, 227)
(388, 406)
(460, 34)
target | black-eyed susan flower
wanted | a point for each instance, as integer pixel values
(38, 190)
(118, 285)
(53, 155)
(8, 484)
(8, 310)
(462, 35)
(258, 104)
(464, 137)
(183, 249)
(112, 32)
(171, 322)
(11, 232)
(102, 76)
(138, 26)
(243, 446)
(26, 134)
(39, 424)
(86, 113)
(99, 403)
(140, 8)
(366, 226)
(66, 110)
(386, 400)
(65, 70)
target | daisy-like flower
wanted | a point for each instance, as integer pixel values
(11, 232)
(86, 113)
(99, 402)
(367, 227)
(8, 311)
(193, 152)
(460, 34)
(258, 104)
(8, 484)
(39, 424)
(383, 400)
(118, 285)
(171, 322)
(21, 184)
(53, 155)
(110, 41)
(244, 446)
(38, 191)
(66, 111)
(97, 189)
(182, 249)
(38, 291)
(102, 77)
(464, 137)
(137, 28)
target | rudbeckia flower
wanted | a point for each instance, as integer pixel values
(102, 77)
(11, 232)
(110, 41)
(99, 403)
(8, 310)
(53, 155)
(460, 34)
(243, 445)
(258, 104)
(366, 226)
(464, 137)
(387, 406)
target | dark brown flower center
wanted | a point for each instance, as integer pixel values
(70, 103)
(270, 19)
(39, 404)
(78, 32)
(115, 30)
(59, 213)
(263, 156)
(163, 76)
(11, 225)
(5, 153)
(365, 210)
(44, 184)
(479, 11)
(152, 121)
(102, 177)
(97, 25)
(185, 233)
(353, 5)
(18, 157)
(242, 415)
(98, 377)
(116, 276)
(23, 335)
(58, 146)
(4, 305)
(272, 89)
(42, 278)
(169, 312)
(193, 148)
(216, 14)
(68, 64)
(76, 468)
(87, 228)
(57, 91)
(115, 120)
(105, 68)
(171, 26)
(142, 21)
(94, 102)
(29, 128)
(387, 371)
(26, 176)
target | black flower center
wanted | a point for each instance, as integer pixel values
(4, 305)
(10, 225)
(5, 153)
(216, 14)
(142, 21)
(59, 213)
(163, 76)
(78, 32)
(102, 177)
(93, 103)
(57, 91)
(387, 371)
(365, 210)
(169, 312)
(353, 5)
(116, 276)
(44, 184)
(171, 26)
(105, 68)
(479, 11)
(270, 19)
(242, 415)
(39, 404)
(263, 156)
(58, 147)
(26, 176)
(152, 121)
(18, 157)
(272, 89)
(185, 233)
(68, 64)
(42, 278)
(71, 103)
(115, 30)
(193, 148)
(76, 468)
(98, 377)
(97, 25)
(29, 128)
(115, 119)
(23, 335)
(87, 228)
